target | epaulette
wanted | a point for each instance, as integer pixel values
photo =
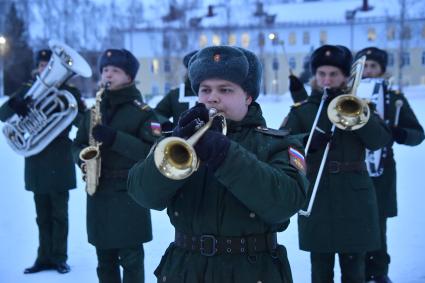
(299, 103)
(272, 132)
(143, 106)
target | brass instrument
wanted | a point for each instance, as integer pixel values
(52, 110)
(176, 158)
(90, 155)
(348, 112)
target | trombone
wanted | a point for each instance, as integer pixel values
(176, 158)
(346, 112)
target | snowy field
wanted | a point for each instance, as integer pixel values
(19, 236)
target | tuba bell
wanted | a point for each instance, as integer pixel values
(176, 158)
(348, 112)
(51, 110)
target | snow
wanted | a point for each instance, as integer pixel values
(19, 236)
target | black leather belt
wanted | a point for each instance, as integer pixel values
(336, 166)
(210, 245)
(114, 174)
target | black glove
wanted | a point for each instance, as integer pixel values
(20, 105)
(104, 134)
(295, 84)
(318, 141)
(191, 120)
(167, 126)
(212, 148)
(399, 134)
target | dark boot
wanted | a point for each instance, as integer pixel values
(37, 267)
(380, 279)
(62, 268)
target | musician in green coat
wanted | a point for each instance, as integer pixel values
(116, 225)
(249, 183)
(344, 216)
(178, 99)
(399, 116)
(49, 174)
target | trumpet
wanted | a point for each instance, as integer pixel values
(348, 112)
(176, 158)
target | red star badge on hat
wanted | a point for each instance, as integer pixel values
(328, 53)
(217, 57)
(109, 54)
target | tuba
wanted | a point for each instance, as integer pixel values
(176, 158)
(348, 112)
(51, 110)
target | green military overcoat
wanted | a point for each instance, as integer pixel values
(171, 104)
(385, 184)
(254, 191)
(344, 217)
(114, 220)
(52, 169)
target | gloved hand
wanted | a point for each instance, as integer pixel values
(212, 148)
(104, 134)
(295, 84)
(191, 120)
(20, 105)
(318, 141)
(399, 134)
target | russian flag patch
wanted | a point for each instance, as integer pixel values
(296, 159)
(156, 128)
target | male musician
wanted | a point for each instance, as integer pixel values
(395, 110)
(49, 174)
(177, 100)
(249, 183)
(116, 225)
(344, 217)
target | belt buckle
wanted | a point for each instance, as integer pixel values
(334, 167)
(213, 240)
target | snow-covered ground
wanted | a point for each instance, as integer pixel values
(19, 236)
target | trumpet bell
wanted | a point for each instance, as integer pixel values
(348, 112)
(175, 158)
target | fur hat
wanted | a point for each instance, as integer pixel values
(332, 55)
(233, 64)
(120, 58)
(43, 55)
(187, 57)
(378, 55)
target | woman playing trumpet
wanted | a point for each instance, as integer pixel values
(249, 182)
(344, 217)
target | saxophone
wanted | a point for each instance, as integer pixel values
(90, 155)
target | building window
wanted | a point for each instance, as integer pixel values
(232, 39)
(306, 38)
(423, 58)
(323, 37)
(292, 38)
(275, 64)
(155, 90)
(390, 59)
(274, 37)
(407, 33)
(245, 40)
(391, 33)
(261, 39)
(371, 34)
(167, 65)
(166, 42)
(167, 87)
(155, 66)
(292, 63)
(405, 59)
(216, 40)
(203, 40)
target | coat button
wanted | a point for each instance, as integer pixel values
(176, 213)
(252, 214)
(164, 278)
(259, 281)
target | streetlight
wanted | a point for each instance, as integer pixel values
(3, 42)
